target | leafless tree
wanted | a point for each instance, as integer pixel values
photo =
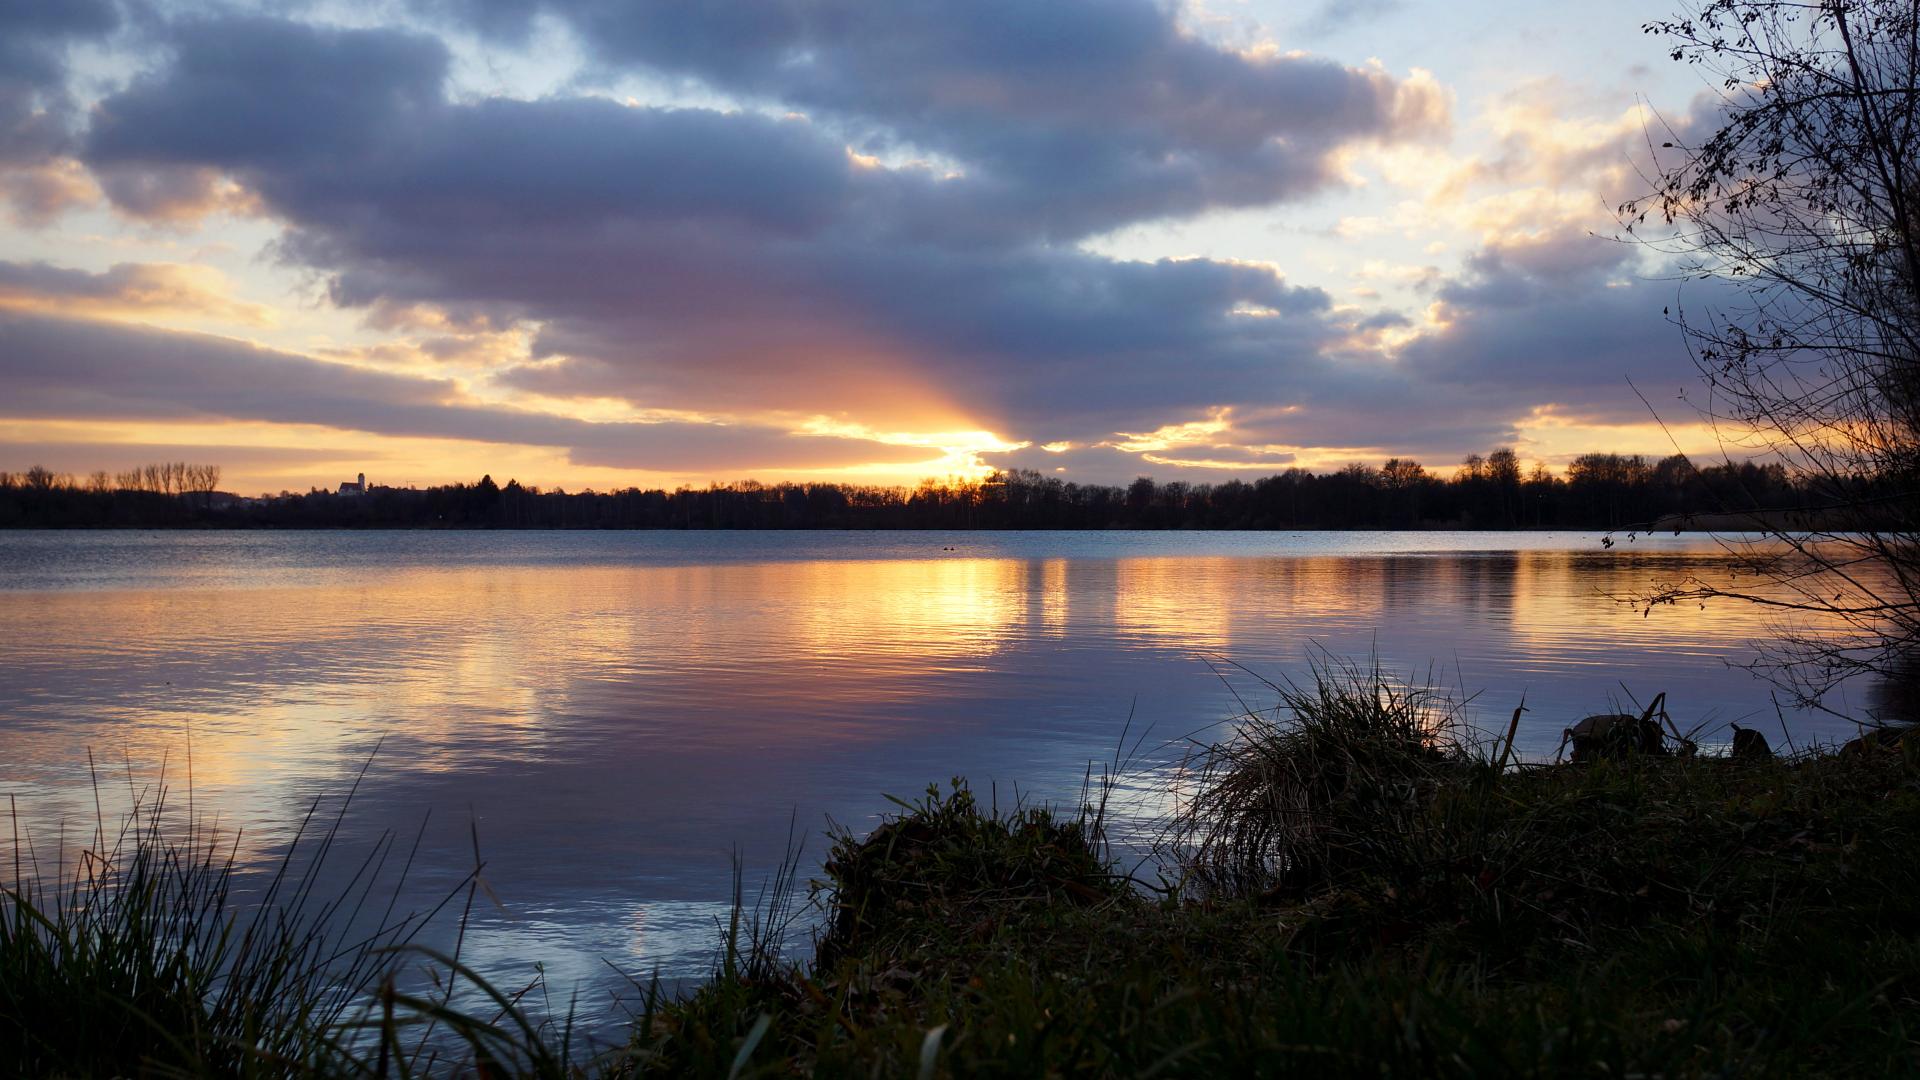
(201, 481)
(1797, 202)
(1402, 473)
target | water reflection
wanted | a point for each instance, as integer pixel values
(617, 712)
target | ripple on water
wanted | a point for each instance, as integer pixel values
(617, 713)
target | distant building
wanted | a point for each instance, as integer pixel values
(355, 487)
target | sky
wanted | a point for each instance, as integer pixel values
(604, 243)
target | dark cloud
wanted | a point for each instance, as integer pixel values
(122, 282)
(268, 93)
(1065, 118)
(59, 368)
(40, 280)
(37, 113)
(693, 258)
(34, 103)
(1086, 113)
(1518, 272)
(1562, 319)
(1029, 339)
(737, 261)
(253, 95)
(159, 192)
(165, 288)
(1565, 319)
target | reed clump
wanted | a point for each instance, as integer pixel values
(1374, 818)
(1357, 884)
(146, 948)
(1338, 779)
(132, 956)
(948, 858)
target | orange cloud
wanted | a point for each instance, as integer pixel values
(37, 194)
(148, 291)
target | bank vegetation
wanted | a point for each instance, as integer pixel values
(1355, 883)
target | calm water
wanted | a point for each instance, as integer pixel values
(619, 711)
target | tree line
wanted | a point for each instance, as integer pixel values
(1598, 491)
(157, 495)
(159, 478)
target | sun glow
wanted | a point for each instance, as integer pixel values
(959, 450)
(1168, 436)
(1552, 435)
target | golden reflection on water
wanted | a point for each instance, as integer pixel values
(618, 725)
(278, 680)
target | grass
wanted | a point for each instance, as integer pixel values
(1357, 887)
(1295, 801)
(135, 955)
(1352, 885)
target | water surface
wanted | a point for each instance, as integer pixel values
(619, 711)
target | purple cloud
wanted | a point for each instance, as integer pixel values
(688, 257)
(71, 369)
(742, 262)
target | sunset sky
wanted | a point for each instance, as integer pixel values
(595, 243)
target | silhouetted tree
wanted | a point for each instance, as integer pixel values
(1402, 494)
(1503, 479)
(1802, 200)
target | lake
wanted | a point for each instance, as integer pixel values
(616, 713)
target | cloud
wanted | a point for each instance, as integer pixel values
(695, 259)
(235, 88)
(1089, 113)
(881, 229)
(127, 289)
(1333, 16)
(1564, 318)
(34, 103)
(73, 369)
(37, 194)
(1558, 321)
(1112, 115)
(36, 110)
(1517, 271)
(1109, 465)
(170, 194)
(80, 458)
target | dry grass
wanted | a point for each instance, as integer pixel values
(1340, 775)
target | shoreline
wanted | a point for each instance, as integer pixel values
(1634, 916)
(1359, 885)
